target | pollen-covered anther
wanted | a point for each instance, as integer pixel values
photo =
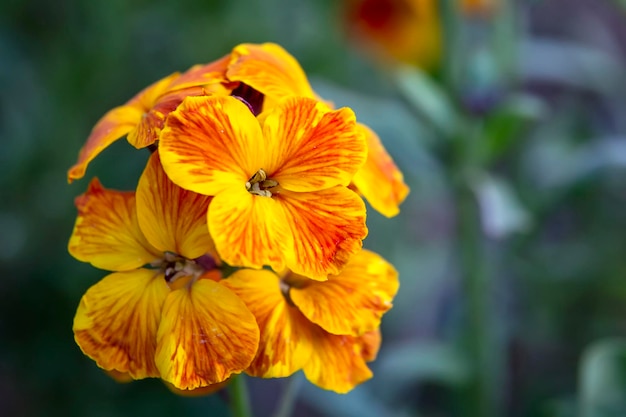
(175, 267)
(259, 184)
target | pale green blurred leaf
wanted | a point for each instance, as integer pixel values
(603, 379)
(427, 98)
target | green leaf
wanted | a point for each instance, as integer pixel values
(602, 381)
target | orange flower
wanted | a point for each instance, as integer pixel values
(280, 187)
(269, 69)
(328, 329)
(407, 31)
(261, 75)
(171, 319)
(142, 117)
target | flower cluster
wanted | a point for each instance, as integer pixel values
(250, 171)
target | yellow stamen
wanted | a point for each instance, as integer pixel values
(259, 184)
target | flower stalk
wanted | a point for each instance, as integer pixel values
(239, 398)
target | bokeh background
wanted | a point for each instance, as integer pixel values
(507, 117)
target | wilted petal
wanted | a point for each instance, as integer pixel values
(327, 228)
(249, 229)
(379, 180)
(117, 319)
(210, 144)
(270, 69)
(117, 123)
(171, 218)
(336, 362)
(107, 233)
(352, 302)
(285, 344)
(206, 334)
(313, 148)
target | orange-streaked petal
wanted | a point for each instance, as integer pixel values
(327, 226)
(116, 123)
(107, 233)
(370, 344)
(171, 218)
(270, 69)
(121, 377)
(113, 125)
(285, 335)
(336, 362)
(210, 76)
(313, 148)
(198, 392)
(248, 229)
(210, 144)
(379, 180)
(117, 319)
(206, 334)
(352, 302)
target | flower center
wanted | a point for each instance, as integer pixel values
(175, 267)
(259, 184)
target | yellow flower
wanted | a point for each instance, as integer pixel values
(269, 69)
(171, 319)
(280, 187)
(328, 329)
(262, 75)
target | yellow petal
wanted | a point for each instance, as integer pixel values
(171, 218)
(379, 180)
(117, 123)
(327, 229)
(353, 301)
(285, 344)
(206, 334)
(117, 319)
(198, 392)
(249, 230)
(106, 233)
(313, 148)
(370, 344)
(336, 362)
(210, 144)
(270, 69)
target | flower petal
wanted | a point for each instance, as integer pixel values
(106, 233)
(313, 148)
(352, 302)
(336, 362)
(285, 344)
(171, 218)
(117, 319)
(248, 229)
(327, 228)
(379, 180)
(270, 69)
(211, 76)
(210, 144)
(206, 334)
(370, 344)
(117, 123)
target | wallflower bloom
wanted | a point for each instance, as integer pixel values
(328, 329)
(269, 69)
(279, 183)
(262, 75)
(407, 31)
(172, 319)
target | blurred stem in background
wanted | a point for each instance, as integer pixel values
(239, 399)
(485, 350)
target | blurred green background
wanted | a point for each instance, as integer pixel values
(511, 246)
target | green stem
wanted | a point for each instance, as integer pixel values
(290, 395)
(239, 401)
(478, 337)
